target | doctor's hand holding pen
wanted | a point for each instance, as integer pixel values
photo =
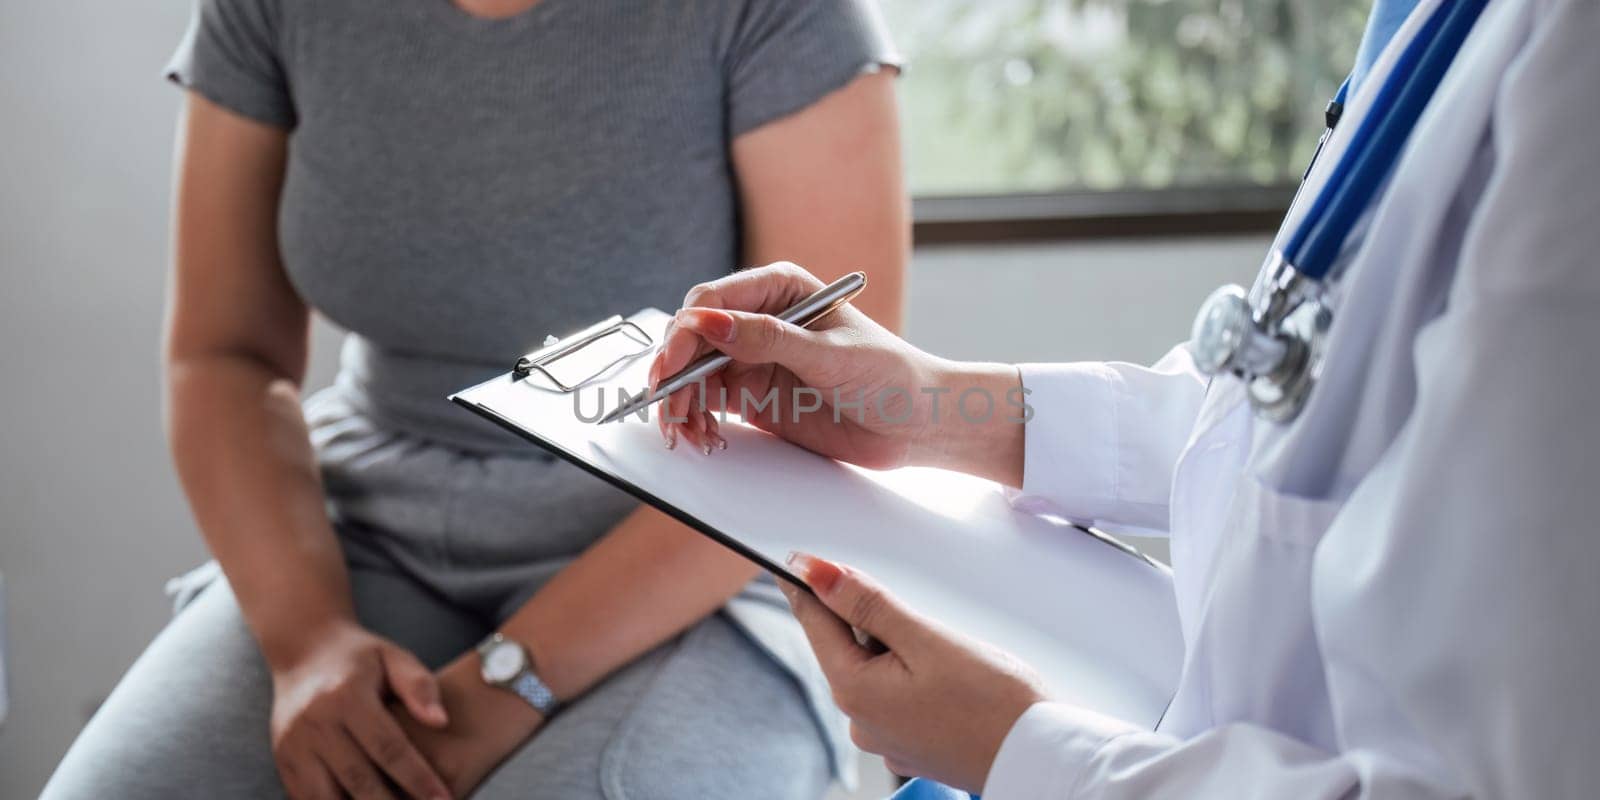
(844, 387)
(936, 704)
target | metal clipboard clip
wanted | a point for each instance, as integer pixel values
(555, 350)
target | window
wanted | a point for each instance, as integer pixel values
(1117, 98)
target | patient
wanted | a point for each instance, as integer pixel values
(450, 183)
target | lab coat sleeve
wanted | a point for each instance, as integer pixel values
(1104, 438)
(1057, 751)
(1458, 630)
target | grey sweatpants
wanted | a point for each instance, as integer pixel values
(442, 545)
(707, 715)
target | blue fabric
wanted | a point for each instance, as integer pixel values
(1381, 24)
(922, 789)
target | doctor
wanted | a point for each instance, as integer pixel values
(1386, 576)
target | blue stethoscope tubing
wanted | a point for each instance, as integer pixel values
(1313, 246)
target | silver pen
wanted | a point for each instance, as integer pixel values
(804, 313)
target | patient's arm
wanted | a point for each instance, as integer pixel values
(235, 356)
(822, 187)
(236, 351)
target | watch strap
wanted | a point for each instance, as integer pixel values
(529, 687)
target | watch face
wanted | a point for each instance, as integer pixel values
(503, 662)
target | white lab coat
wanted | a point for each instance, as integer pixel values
(1395, 595)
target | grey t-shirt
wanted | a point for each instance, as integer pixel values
(458, 188)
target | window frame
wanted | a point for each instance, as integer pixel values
(1099, 214)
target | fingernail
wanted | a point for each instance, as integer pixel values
(822, 576)
(672, 438)
(706, 448)
(708, 322)
(722, 444)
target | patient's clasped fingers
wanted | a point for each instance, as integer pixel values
(387, 745)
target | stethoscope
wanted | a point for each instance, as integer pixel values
(1272, 337)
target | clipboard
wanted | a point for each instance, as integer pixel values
(1098, 620)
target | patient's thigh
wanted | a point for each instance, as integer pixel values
(708, 715)
(190, 717)
(187, 720)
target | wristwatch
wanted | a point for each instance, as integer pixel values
(507, 665)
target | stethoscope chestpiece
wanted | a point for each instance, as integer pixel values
(1272, 346)
(1227, 339)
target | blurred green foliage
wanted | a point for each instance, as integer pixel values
(1005, 96)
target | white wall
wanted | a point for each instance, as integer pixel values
(91, 519)
(1101, 300)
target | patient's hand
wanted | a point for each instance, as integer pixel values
(331, 735)
(487, 724)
